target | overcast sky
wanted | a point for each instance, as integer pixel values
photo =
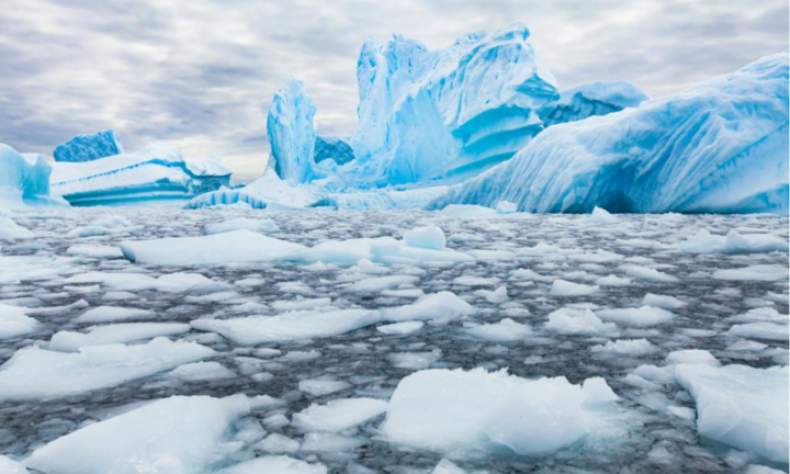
(200, 74)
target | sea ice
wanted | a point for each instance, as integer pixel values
(68, 341)
(644, 316)
(14, 322)
(339, 415)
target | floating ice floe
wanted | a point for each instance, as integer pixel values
(106, 314)
(742, 407)
(261, 226)
(228, 247)
(437, 307)
(10, 230)
(495, 412)
(172, 435)
(319, 387)
(14, 322)
(505, 330)
(754, 273)
(9, 466)
(275, 464)
(578, 321)
(644, 316)
(339, 415)
(291, 326)
(37, 373)
(733, 242)
(68, 341)
(568, 288)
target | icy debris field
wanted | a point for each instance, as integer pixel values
(432, 342)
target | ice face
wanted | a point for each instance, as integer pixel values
(89, 147)
(23, 178)
(291, 133)
(153, 173)
(721, 146)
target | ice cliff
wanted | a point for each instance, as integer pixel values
(24, 179)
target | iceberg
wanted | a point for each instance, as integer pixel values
(154, 173)
(89, 147)
(292, 134)
(591, 99)
(24, 179)
(718, 147)
(337, 149)
(432, 115)
(176, 435)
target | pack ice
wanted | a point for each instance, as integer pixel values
(718, 147)
(154, 173)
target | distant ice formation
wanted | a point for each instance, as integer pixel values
(89, 147)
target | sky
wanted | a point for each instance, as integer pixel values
(200, 74)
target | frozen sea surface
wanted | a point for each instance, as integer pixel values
(628, 299)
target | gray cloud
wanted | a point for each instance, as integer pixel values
(201, 74)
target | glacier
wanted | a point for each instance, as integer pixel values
(24, 180)
(718, 147)
(89, 147)
(155, 173)
(292, 133)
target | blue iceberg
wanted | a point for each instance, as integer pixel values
(153, 173)
(718, 147)
(427, 116)
(292, 134)
(89, 147)
(24, 179)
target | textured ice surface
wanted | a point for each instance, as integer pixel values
(721, 146)
(339, 415)
(654, 429)
(291, 133)
(154, 173)
(23, 179)
(179, 435)
(89, 147)
(742, 406)
(14, 322)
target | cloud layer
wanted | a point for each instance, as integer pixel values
(200, 74)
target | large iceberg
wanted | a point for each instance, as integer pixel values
(721, 146)
(429, 115)
(292, 134)
(89, 147)
(24, 179)
(153, 173)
